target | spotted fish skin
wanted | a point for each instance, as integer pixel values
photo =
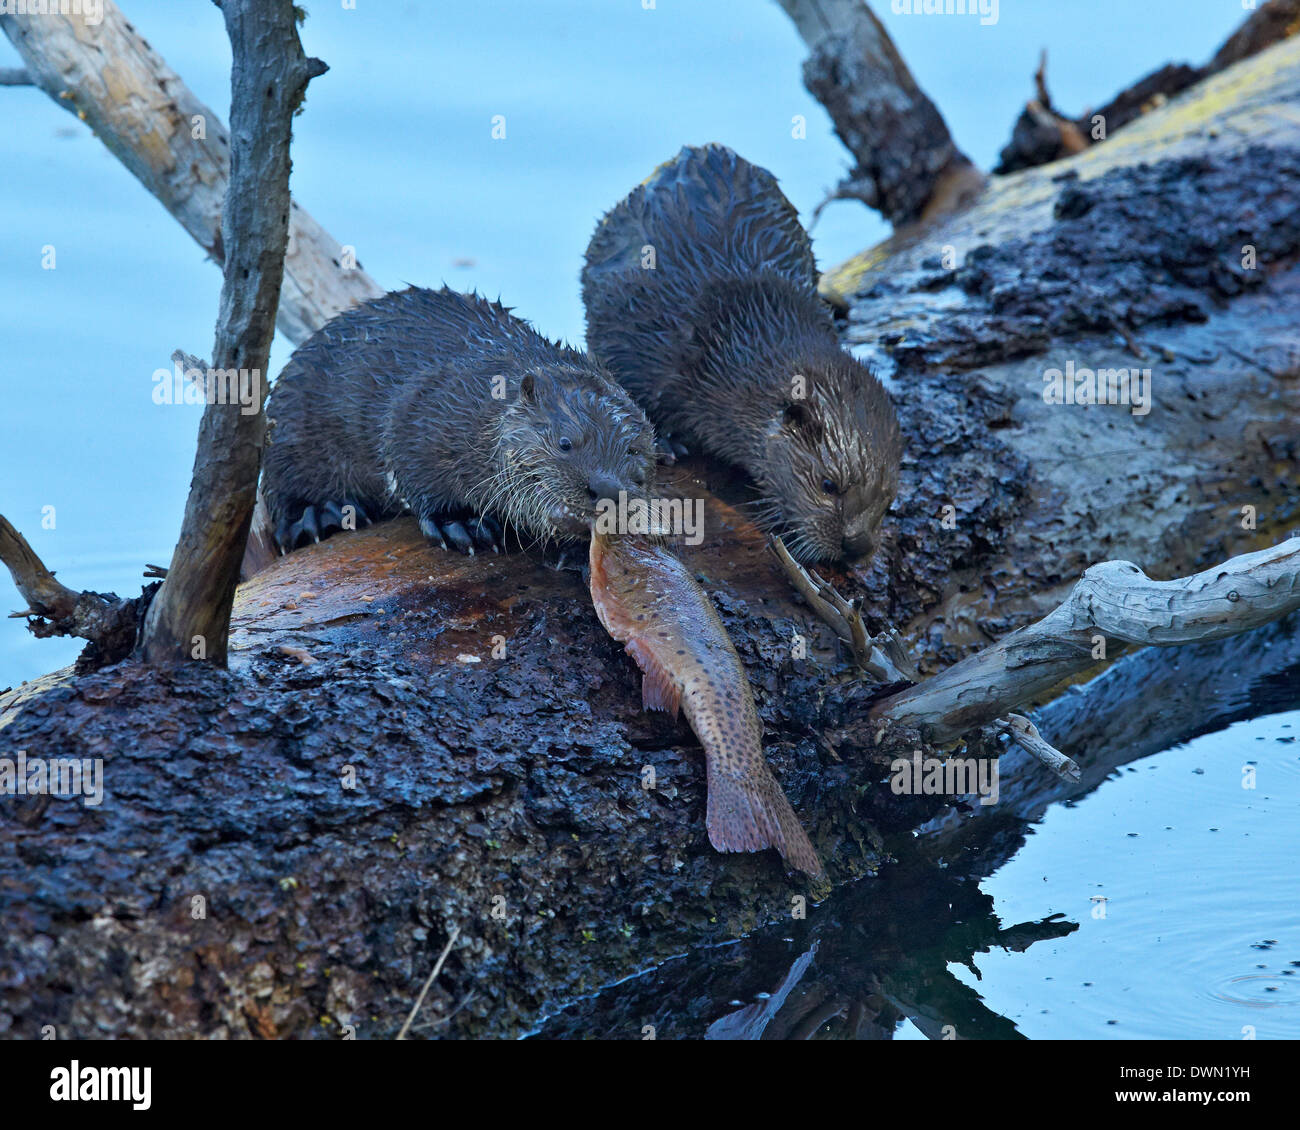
(648, 601)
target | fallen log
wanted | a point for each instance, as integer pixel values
(1140, 255)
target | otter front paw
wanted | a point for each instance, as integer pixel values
(316, 523)
(289, 535)
(466, 535)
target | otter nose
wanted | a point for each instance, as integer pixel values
(860, 544)
(601, 485)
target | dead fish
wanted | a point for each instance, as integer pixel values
(647, 600)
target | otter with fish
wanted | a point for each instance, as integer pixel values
(701, 297)
(446, 405)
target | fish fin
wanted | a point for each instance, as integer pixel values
(659, 691)
(748, 815)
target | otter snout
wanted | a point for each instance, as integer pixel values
(603, 485)
(860, 544)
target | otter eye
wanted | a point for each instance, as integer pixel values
(829, 487)
(566, 444)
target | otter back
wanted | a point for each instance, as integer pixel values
(700, 221)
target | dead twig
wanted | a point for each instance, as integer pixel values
(1025, 734)
(883, 657)
(437, 968)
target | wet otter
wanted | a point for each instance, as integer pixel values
(701, 297)
(445, 404)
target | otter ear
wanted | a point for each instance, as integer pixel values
(528, 389)
(799, 418)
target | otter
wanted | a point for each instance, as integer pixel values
(446, 405)
(701, 295)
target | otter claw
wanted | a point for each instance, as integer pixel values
(487, 533)
(303, 527)
(282, 532)
(330, 518)
(429, 528)
(459, 537)
(308, 524)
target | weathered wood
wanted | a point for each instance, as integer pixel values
(108, 622)
(190, 616)
(1113, 603)
(177, 147)
(907, 164)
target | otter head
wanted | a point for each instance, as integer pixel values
(829, 468)
(570, 438)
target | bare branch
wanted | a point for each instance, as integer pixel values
(44, 595)
(1025, 734)
(269, 76)
(177, 147)
(883, 657)
(1113, 602)
(907, 165)
(108, 622)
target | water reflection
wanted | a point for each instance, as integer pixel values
(872, 955)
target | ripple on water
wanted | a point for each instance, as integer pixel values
(1185, 888)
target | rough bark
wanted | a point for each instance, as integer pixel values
(1128, 255)
(190, 616)
(906, 162)
(498, 744)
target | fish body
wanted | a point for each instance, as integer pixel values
(648, 601)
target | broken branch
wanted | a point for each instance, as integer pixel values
(269, 74)
(883, 657)
(1025, 734)
(1113, 602)
(907, 164)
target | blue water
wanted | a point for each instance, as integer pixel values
(1199, 933)
(393, 154)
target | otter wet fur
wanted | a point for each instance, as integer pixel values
(446, 405)
(701, 297)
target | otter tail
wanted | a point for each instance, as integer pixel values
(745, 814)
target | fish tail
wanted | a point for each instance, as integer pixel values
(747, 816)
